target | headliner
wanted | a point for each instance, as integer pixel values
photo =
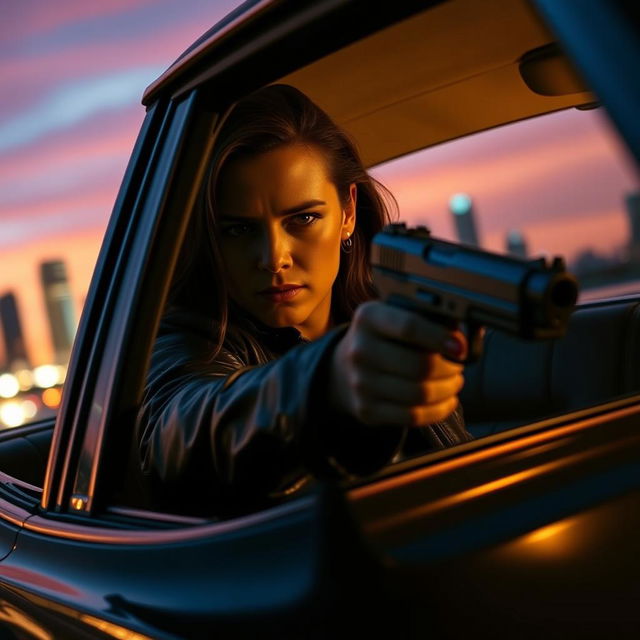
(442, 74)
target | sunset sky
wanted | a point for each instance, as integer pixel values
(72, 74)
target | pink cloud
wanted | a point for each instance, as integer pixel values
(95, 197)
(37, 18)
(38, 73)
(107, 134)
(72, 182)
(561, 173)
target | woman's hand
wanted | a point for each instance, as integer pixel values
(388, 368)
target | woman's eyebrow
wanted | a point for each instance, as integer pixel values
(304, 205)
(286, 212)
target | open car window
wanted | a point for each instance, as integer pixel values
(559, 184)
(392, 110)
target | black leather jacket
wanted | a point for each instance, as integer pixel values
(216, 437)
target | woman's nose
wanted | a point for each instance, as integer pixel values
(274, 254)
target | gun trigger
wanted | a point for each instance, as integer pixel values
(475, 338)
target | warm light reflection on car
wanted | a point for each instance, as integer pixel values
(19, 620)
(553, 538)
(113, 630)
(463, 496)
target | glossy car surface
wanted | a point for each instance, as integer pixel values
(528, 533)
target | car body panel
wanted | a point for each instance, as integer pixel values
(471, 512)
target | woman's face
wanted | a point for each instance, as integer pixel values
(281, 225)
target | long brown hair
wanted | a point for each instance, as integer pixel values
(271, 117)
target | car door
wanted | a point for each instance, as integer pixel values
(86, 568)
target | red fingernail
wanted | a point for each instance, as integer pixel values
(454, 347)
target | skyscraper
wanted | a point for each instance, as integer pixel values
(461, 206)
(12, 336)
(59, 305)
(516, 244)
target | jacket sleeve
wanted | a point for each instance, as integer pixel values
(230, 434)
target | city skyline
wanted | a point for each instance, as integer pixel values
(13, 354)
(72, 76)
(60, 320)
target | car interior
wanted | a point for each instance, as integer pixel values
(398, 91)
(480, 69)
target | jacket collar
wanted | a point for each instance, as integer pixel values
(277, 339)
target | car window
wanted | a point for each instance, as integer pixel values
(550, 185)
(69, 116)
(558, 184)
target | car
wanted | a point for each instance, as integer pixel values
(528, 531)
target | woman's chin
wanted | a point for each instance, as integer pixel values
(281, 318)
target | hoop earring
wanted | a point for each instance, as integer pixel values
(347, 245)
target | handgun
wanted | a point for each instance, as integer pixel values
(457, 284)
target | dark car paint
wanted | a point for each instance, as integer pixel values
(271, 30)
(438, 537)
(422, 549)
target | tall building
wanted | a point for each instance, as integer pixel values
(12, 337)
(516, 244)
(633, 211)
(59, 305)
(461, 206)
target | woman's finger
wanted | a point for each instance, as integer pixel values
(410, 328)
(373, 353)
(406, 392)
(388, 414)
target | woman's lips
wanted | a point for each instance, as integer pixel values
(281, 294)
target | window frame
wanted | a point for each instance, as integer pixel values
(104, 388)
(131, 280)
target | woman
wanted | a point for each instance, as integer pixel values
(274, 359)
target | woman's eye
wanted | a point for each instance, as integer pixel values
(237, 230)
(303, 219)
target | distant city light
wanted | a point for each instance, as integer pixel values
(46, 375)
(9, 385)
(25, 379)
(12, 414)
(460, 203)
(51, 398)
(29, 409)
(62, 373)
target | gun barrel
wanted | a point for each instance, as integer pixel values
(457, 283)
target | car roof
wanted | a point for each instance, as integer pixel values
(453, 69)
(203, 47)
